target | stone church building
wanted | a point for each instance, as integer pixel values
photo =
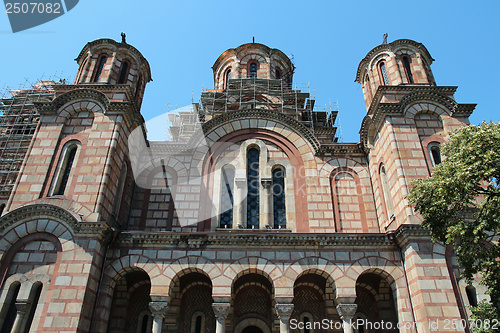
(251, 218)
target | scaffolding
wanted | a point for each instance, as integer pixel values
(271, 94)
(18, 121)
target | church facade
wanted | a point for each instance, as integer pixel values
(251, 218)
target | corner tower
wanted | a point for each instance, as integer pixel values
(105, 61)
(78, 159)
(402, 62)
(408, 117)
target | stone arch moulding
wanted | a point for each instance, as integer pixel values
(73, 101)
(335, 197)
(296, 160)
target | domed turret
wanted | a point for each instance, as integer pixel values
(105, 61)
(402, 62)
(252, 60)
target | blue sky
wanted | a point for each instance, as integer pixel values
(328, 39)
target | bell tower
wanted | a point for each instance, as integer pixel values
(79, 156)
(105, 61)
(408, 117)
(402, 62)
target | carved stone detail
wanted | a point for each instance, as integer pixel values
(284, 310)
(158, 308)
(347, 311)
(266, 182)
(221, 309)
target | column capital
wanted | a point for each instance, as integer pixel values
(284, 310)
(221, 309)
(158, 308)
(347, 311)
(266, 182)
(22, 306)
(240, 182)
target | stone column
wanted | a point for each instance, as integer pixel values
(21, 308)
(221, 310)
(347, 312)
(284, 311)
(239, 198)
(266, 203)
(158, 310)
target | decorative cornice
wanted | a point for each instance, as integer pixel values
(80, 93)
(94, 92)
(407, 232)
(341, 149)
(40, 211)
(239, 238)
(415, 94)
(391, 47)
(260, 114)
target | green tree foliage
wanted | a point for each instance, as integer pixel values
(460, 204)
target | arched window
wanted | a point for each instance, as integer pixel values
(383, 73)
(406, 63)
(10, 315)
(227, 77)
(66, 166)
(100, 67)
(471, 295)
(123, 73)
(253, 189)
(253, 70)
(82, 69)
(227, 185)
(138, 88)
(435, 153)
(120, 189)
(35, 298)
(144, 323)
(386, 192)
(307, 324)
(278, 74)
(197, 325)
(279, 210)
(198, 322)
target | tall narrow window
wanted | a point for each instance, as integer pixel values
(279, 210)
(144, 324)
(67, 165)
(100, 67)
(82, 69)
(278, 74)
(383, 72)
(253, 189)
(138, 88)
(435, 153)
(10, 316)
(33, 306)
(226, 218)
(306, 325)
(471, 295)
(386, 192)
(253, 70)
(406, 63)
(228, 76)
(123, 73)
(120, 189)
(197, 325)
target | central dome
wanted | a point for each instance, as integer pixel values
(252, 60)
